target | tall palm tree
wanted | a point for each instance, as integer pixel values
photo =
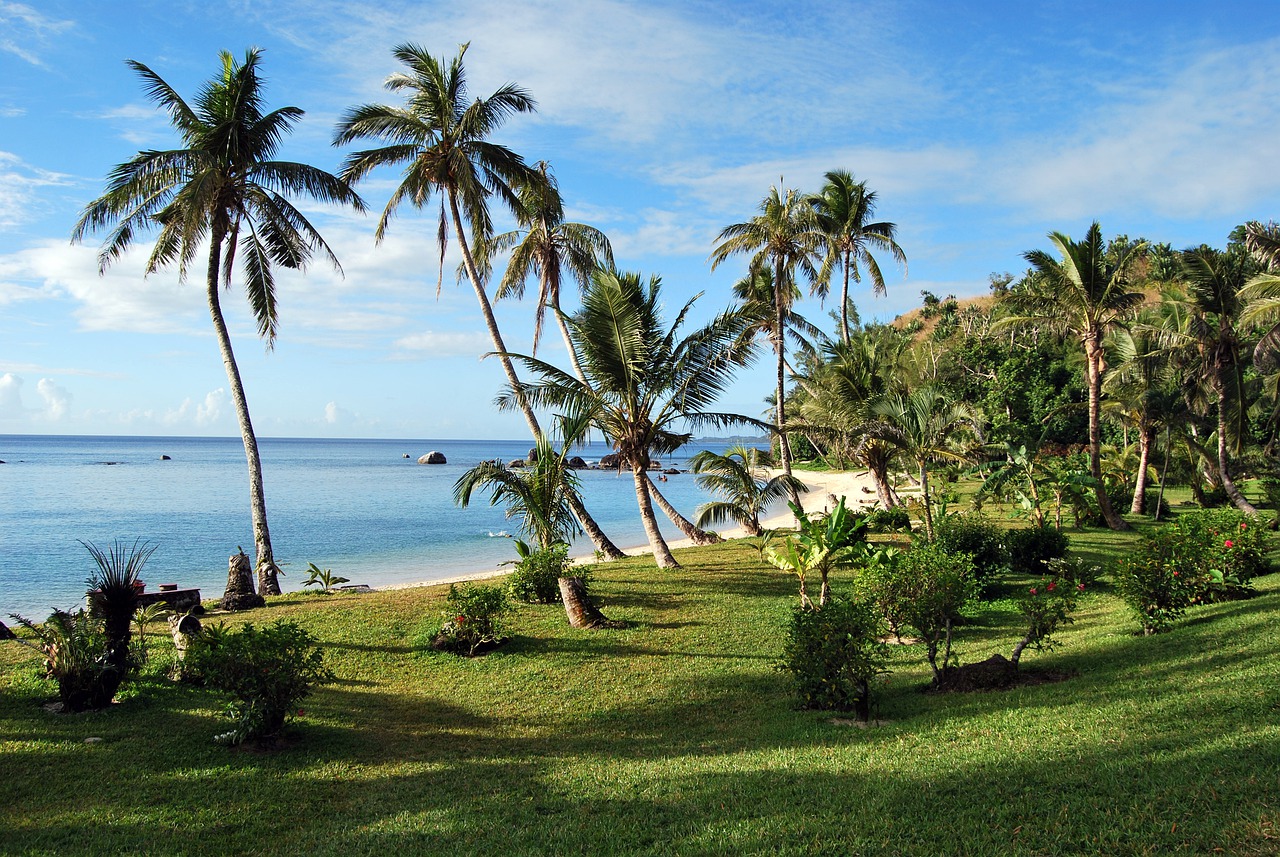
(1261, 295)
(442, 138)
(787, 237)
(738, 477)
(1142, 394)
(1085, 292)
(547, 246)
(844, 208)
(921, 424)
(645, 387)
(223, 187)
(1213, 281)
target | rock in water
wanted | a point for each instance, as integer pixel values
(165, 458)
(240, 594)
(533, 455)
(432, 457)
(577, 463)
(611, 462)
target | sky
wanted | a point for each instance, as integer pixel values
(982, 126)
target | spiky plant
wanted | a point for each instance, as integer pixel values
(113, 594)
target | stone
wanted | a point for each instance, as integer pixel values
(533, 455)
(577, 463)
(240, 594)
(516, 464)
(433, 457)
(406, 455)
(165, 458)
(612, 461)
(671, 471)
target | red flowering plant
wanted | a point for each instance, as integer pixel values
(1046, 606)
(473, 623)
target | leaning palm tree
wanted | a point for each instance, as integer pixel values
(441, 137)
(786, 236)
(547, 246)
(738, 477)
(845, 208)
(224, 190)
(1085, 293)
(644, 387)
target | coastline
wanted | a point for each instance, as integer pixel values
(855, 486)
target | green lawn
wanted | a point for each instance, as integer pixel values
(675, 735)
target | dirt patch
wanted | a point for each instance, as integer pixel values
(995, 673)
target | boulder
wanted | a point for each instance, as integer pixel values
(406, 455)
(165, 458)
(611, 462)
(240, 594)
(671, 471)
(533, 455)
(433, 457)
(577, 463)
(516, 464)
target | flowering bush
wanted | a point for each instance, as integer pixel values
(267, 672)
(473, 619)
(1045, 607)
(1232, 547)
(834, 653)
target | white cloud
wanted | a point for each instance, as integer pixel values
(56, 399)
(202, 414)
(20, 189)
(335, 415)
(28, 30)
(444, 344)
(11, 397)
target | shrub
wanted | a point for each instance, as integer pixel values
(1158, 580)
(266, 671)
(1031, 548)
(536, 579)
(323, 578)
(76, 657)
(1045, 607)
(978, 537)
(474, 622)
(1233, 545)
(894, 520)
(924, 588)
(834, 653)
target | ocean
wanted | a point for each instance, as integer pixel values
(358, 507)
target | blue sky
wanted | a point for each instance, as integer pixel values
(982, 126)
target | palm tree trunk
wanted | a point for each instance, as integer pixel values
(844, 301)
(1224, 464)
(661, 553)
(268, 571)
(780, 347)
(924, 496)
(1093, 361)
(1139, 504)
(698, 536)
(589, 525)
(877, 462)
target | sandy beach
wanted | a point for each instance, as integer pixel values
(825, 490)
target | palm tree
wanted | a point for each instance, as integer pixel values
(787, 237)
(1214, 281)
(442, 138)
(1141, 394)
(738, 477)
(921, 424)
(1261, 295)
(1085, 293)
(548, 246)
(223, 187)
(844, 207)
(643, 383)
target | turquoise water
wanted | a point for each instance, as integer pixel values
(356, 506)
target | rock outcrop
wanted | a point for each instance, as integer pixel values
(433, 457)
(577, 463)
(610, 462)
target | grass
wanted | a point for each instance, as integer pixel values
(675, 735)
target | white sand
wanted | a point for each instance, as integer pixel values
(825, 490)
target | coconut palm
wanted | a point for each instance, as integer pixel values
(738, 476)
(1141, 394)
(1261, 295)
(1084, 293)
(1208, 340)
(645, 387)
(787, 237)
(922, 424)
(223, 189)
(441, 137)
(548, 247)
(844, 208)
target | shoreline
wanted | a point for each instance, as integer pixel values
(856, 486)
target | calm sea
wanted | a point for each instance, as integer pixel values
(356, 506)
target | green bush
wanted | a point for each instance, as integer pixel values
(923, 588)
(1233, 546)
(536, 579)
(1158, 581)
(894, 520)
(1045, 607)
(77, 657)
(1032, 548)
(266, 671)
(978, 537)
(474, 620)
(834, 653)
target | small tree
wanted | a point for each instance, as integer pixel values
(822, 544)
(737, 477)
